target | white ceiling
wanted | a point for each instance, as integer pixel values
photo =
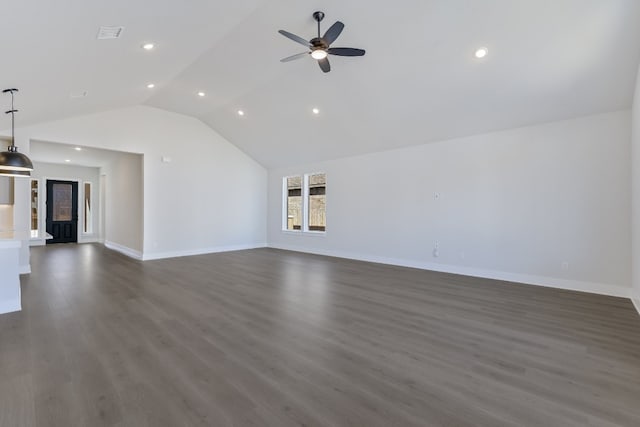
(49, 50)
(419, 82)
(50, 152)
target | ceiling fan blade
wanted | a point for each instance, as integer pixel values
(333, 32)
(345, 51)
(294, 57)
(324, 65)
(295, 38)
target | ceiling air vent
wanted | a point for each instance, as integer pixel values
(107, 33)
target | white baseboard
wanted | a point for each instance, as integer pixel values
(636, 303)
(25, 269)
(175, 254)
(551, 282)
(132, 253)
(201, 251)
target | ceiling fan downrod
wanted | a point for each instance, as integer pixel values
(318, 16)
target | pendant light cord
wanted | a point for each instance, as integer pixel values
(13, 122)
(12, 163)
(13, 113)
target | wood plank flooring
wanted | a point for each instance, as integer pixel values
(273, 338)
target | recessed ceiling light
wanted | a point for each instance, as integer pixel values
(240, 113)
(315, 111)
(67, 160)
(482, 52)
(148, 46)
(150, 86)
(201, 94)
(78, 149)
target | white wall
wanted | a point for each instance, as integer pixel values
(512, 205)
(635, 186)
(209, 197)
(6, 217)
(10, 293)
(124, 211)
(43, 171)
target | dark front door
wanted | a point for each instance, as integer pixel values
(62, 211)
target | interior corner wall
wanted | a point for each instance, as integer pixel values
(546, 205)
(635, 188)
(201, 193)
(124, 188)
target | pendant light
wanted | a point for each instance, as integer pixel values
(13, 163)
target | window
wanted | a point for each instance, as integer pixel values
(304, 203)
(294, 203)
(317, 184)
(62, 202)
(88, 219)
(34, 208)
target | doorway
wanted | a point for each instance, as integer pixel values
(62, 211)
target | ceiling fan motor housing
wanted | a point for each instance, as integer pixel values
(318, 43)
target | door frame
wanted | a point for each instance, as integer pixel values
(75, 213)
(42, 210)
(44, 200)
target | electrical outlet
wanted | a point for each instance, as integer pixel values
(436, 196)
(565, 265)
(436, 250)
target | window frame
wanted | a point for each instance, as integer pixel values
(306, 208)
(285, 204)
(304, 229)
(35, 232)
(88, 220)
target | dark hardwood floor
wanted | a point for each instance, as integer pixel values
(274, 338)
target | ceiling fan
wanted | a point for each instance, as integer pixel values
(320, 47)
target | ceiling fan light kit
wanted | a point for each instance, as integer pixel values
(13, 163)
(319, 54)
(320, 46)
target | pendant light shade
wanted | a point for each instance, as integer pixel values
(14, 174)
(13, 163)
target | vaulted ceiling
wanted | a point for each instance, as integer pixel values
(419, 81)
